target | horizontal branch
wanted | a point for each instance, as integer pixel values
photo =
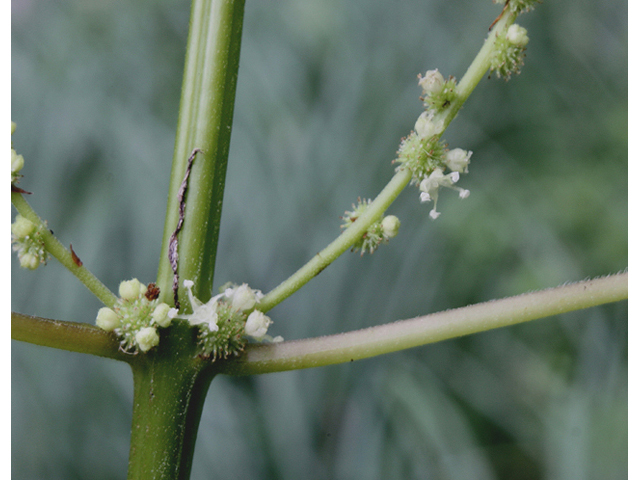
(71, 336)
(393, 337)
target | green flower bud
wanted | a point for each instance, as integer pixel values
(517, 35)
(432, 82)
(243, 297)
(147, 338)
(390, 226)
(426, 128)
(107, 319)
(29, 260)
(131, 289)
(17, 162)
(458, 160)
(22, 227)
(161, 315)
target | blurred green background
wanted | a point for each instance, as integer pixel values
(326, 90)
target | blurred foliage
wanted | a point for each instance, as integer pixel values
(326, 90)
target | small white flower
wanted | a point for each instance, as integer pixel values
(147, 338)
(202, 312)
(431, 185)
(107, 319)
(457, 160)
(434, 181)
(257, 325)
(432, 82)
(517, 35)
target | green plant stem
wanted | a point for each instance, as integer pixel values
(170, 386)
(321, 260)
(60, 253)
(393, 337)
(476, 70)
(70, 336)
(204, 122)
(339, 245)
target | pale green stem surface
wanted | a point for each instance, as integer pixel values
(400, 335)
(340, 244)
(62, 254)
(204, 122)
(70, 336)
(376, 209)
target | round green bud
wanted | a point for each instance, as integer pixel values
(161, 315)
(17, 162)
(517, 35)
(22, 227)
(131, 289)
(432, 82)
(458, 160)
(390, 226)
(29, 260)
(147, 338)
(243, 298)
(107, 319)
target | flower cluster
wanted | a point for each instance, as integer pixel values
(518, 6)
(223, 321)
(379, 232)
(508, 54)
(457, 160)
(136, 317)
(26, 238)
(423, 153)
(438, 93)
(17, 161)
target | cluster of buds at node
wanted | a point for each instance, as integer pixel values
(508, 54)
(423, 153)
(26, 238)
(438, 93)
(136, 316)
(378, 233)
(17, 161)
(224, 322)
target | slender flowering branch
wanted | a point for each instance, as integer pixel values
(393, 337)
(66, 257)
(341, 244)
(451, 104)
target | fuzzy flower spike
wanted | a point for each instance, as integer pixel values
(224, 322)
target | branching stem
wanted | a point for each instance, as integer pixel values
(321, 260)
(62, 254)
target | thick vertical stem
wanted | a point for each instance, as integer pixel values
(170, 386)
(206, 114)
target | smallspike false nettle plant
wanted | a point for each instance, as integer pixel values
(177, 334)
